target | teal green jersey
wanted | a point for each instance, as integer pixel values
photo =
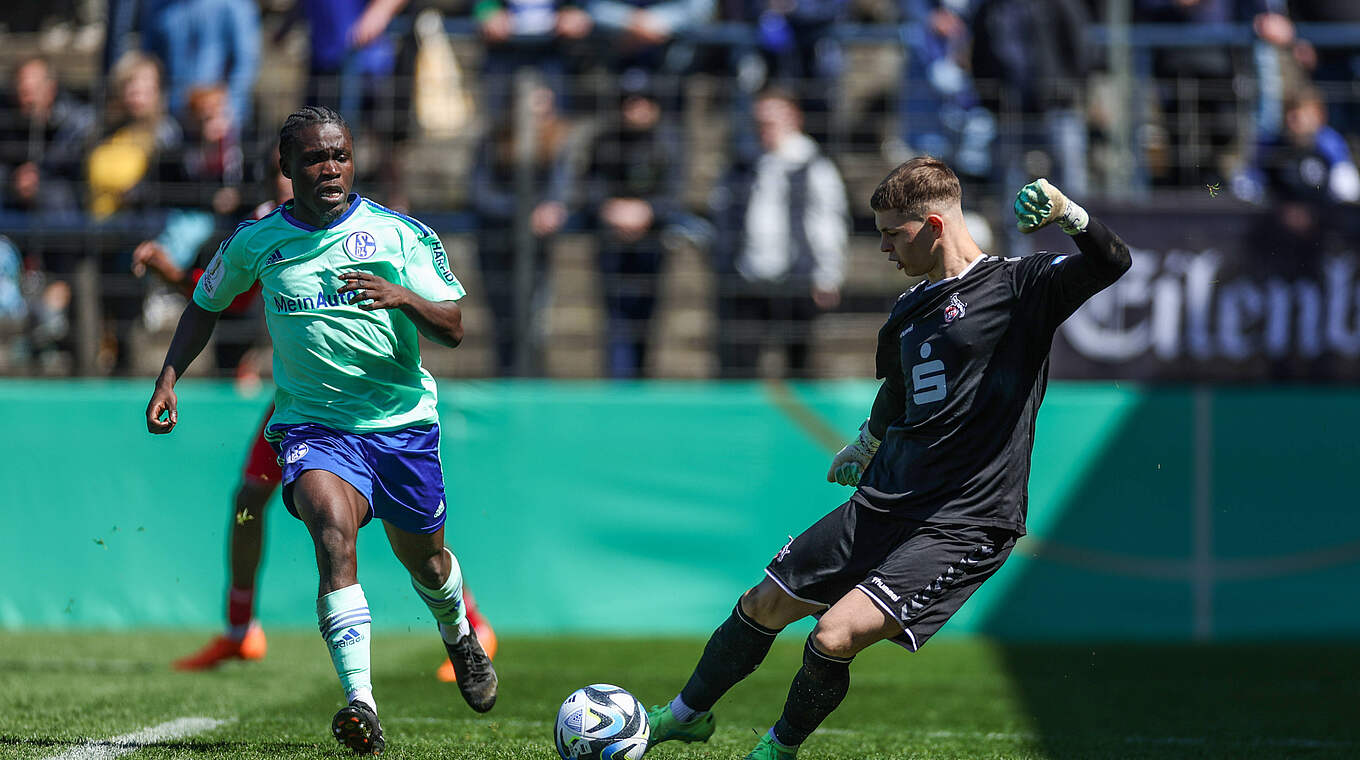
(334, 363)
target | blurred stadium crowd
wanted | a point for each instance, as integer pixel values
(629, 188)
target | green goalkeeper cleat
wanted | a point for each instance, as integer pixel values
(769, 749)
(664, 727)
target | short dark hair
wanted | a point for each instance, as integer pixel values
(916, 186)
(305, 117)
(778, 91)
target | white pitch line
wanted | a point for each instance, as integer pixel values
(106, 749)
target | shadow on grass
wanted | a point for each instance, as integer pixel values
(1170, 547)
(1291, 699)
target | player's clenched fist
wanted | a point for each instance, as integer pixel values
(1039, 204)
(848, 465)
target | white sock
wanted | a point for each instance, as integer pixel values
(363, 695)
(446, 602)
(683, 712)
(452, 633)
(345, 627)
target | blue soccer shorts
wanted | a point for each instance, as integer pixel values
(398, 472)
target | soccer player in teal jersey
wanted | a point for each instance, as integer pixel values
(347, 286)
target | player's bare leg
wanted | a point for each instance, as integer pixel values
(772, 607)
(852, 624)
(733, 652)
(244, 639)
(333, 511)
(438, 580)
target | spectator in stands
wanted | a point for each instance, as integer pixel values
(642, 34)
(363, 71)
(795, 44)
(125, 170)
(241, 325)
(1202, 77)
(635, 180)
(939, 108)
(201, 190)
(1030, 61)
(1331, 67)
(1311, 162)
(203, 43)
(43, 138)
(125, 165)
(783, 226)
(526, 33)
(506, 220)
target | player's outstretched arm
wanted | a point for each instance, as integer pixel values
(440, 321)
(1104, 255)
(191, 335)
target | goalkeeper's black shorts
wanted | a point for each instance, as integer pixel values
(920, 573)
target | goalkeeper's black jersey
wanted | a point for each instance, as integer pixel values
(969, 356)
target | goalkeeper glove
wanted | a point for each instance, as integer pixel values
(1039, 204)
(853, 460)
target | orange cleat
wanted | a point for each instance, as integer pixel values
(485, 634)
(221, 649)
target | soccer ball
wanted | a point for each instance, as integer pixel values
(601, 722)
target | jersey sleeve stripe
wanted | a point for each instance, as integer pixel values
(236, 231)
(381, 209)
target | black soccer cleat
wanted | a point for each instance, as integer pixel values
(476, 677)
(356, 726)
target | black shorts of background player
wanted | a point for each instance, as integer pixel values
(942, 499)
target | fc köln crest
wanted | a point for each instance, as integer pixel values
(955, 308)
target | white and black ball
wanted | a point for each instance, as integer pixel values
(601, 722)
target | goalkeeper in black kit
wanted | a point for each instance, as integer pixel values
(941, 465)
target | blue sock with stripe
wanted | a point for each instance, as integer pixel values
(446, 602)
(345, 623)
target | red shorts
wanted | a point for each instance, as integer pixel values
(262, 464)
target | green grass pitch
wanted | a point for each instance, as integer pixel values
(956, 699)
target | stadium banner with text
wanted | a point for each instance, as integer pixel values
(1156, 512)
(1223, 293)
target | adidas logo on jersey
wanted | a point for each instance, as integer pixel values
(274, 257)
